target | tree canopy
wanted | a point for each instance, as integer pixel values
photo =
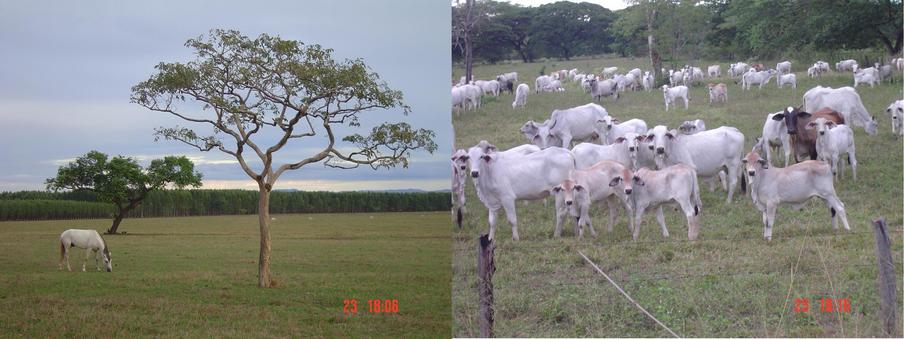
(122, 181)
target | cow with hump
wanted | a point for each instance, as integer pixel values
(501, 178)
(803, 140)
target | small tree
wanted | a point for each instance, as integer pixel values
(270, 90)
(121, 181)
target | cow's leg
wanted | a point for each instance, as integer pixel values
(732, 179)
(660, 218)
(613, 213)
(512, 217)
(693, 229)
(492, 219)
(685, 102)
(586, 220)
(852, 158)
(770, 219)
(768, 150)
(638, 220)
(560, 215)
(786, 147)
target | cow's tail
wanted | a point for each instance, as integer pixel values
(458, 217)
(698, 205)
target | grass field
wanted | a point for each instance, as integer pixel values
(197, 277)
(731, 282)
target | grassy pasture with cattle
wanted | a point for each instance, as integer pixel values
(193, 277)
(730, 282)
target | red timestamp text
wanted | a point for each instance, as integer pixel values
(826, 305)
(350, 306)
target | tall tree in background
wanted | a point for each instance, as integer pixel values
(121, 181)
(464, 28)
(244, 92)
(567, 29)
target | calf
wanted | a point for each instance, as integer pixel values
(896, 110)
(521, 96)
(868, 75)
(756, 78)
(787, 79)
(783, 67)
(651, 189)
(504, 178)
(831, 141)
(613, 129)
(718, 93)
(795, 185)
(714, 71)
(587, 186)
(670, 94)
(648, 81)
(803, 141)
(775, 135)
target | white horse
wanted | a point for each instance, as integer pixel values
(91, 241)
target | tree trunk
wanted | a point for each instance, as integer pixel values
(655, 62)
(469, 57)
(116, 220)
(263, 212)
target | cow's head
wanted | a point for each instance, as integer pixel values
(753, 162)
(872, 126)
(460, 159)
(660, 140)
(821, 125)
(608, 122)
(790, 116)
(688, 127)
(540, 134)
(896, 110)
(625, 181)
(480, 156)
(571, 192)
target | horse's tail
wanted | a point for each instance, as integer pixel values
(62, 249)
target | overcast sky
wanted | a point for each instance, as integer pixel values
(68, 67)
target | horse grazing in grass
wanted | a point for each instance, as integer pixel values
(91, 241)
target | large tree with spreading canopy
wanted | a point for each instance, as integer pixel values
(251, 97)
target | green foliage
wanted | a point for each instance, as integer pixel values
(43, 205)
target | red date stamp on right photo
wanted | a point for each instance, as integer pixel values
(826, 305)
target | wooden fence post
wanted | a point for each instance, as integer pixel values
(485, 269)
(887, 292)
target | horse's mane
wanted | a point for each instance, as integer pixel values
(106, 248)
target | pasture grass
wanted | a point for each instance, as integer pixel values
(730, 282)
(197, 277)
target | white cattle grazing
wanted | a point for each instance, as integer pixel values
(708, 152)
(613, 129)
(738, 69)
(577, 123)
(579, 78)
(845, 65)
(541, 82)
(648, 81)
(604, 88)
(714, 71)
(472, 96)
(813, 72)
(459, 176)
(636, 72)
(822, 66)
(631, 81)
(676, 78)
(795, 185)
(670, 94)
(488, 86)
(885, 72)
(92, 242)
(846, 101)
(783, 67)
(832, 140)
(867, 75)
(787, 79)
(511, 77)
(718, 93)
(587, 186)
(756, 78)
(652, 189)
(692, 127)
(775, 135)
(696, 75)
(459, 99)
(587, 154)
(505, 178)
(521, 96)
(609, 71)
(896, 110)
(554, 86)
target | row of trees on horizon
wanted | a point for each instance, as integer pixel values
(683, 30)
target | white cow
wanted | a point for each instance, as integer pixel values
(554, 86)
(459, 100)
(587, 186)
(753, 77)
(587, 154)
(459, 176)
(832, 140)
(717, 93)
(600, 89)
(709, 152)
(653, 189)
(714, 71)
(846, 65)
(609, 71)
(846, 101)
(612, 128)
(505, 178)
(783, 67)
(648, 81)
(488, 86)
(636, 72)
(738, 69)
(775, 135)
(510, 76)
(521, 96)
(867, 75)
(563, 126)
(541, 82)
(677, 78)
(896, 110)
(787, 79)
(795, 185)
(670, 94)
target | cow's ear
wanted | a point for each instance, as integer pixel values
(639, 138)
(744, 161)
(557, 189)
(615, 181)
(831, 124)
(486, 158)
(620, 140)
(778, 117)
(803, 115)
(763, 162)
(639, 181)
(810, 125)
(465, 157)
(616, 121)
(454, 157)
(578, 187)
(670, 136)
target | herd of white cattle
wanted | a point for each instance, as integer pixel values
(627, 164)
